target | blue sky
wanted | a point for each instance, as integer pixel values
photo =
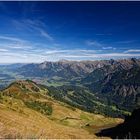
(50, 31)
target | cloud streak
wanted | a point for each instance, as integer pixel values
(125, 42)
(108, 48)
(39, 55)
(93, 43)
(3, 50)
(11, 38)
(45, 34)
(133, 51)
(14, 43)
(34, 26)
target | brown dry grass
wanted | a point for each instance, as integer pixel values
(18, 121)
(32, 124)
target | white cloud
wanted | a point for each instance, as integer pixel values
(120, 55)
(93, 43)
(132, 51)
(103, 56)
(3, 50)
(45, 34)
(69, 52)
(14, 43)
(11, 38)
(108, 48)
(15, 46)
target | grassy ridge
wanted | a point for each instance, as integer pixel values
(29, 113)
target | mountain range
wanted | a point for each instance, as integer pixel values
(110, 87)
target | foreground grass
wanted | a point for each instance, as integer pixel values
(62, 123)
(32, 124)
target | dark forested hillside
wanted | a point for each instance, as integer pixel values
(82, 98)
(121, 85)
(130, 129)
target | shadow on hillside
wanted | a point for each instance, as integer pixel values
(130, 129)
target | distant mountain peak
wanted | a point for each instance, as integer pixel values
(63, 60)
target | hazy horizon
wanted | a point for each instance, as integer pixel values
(69, 61)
